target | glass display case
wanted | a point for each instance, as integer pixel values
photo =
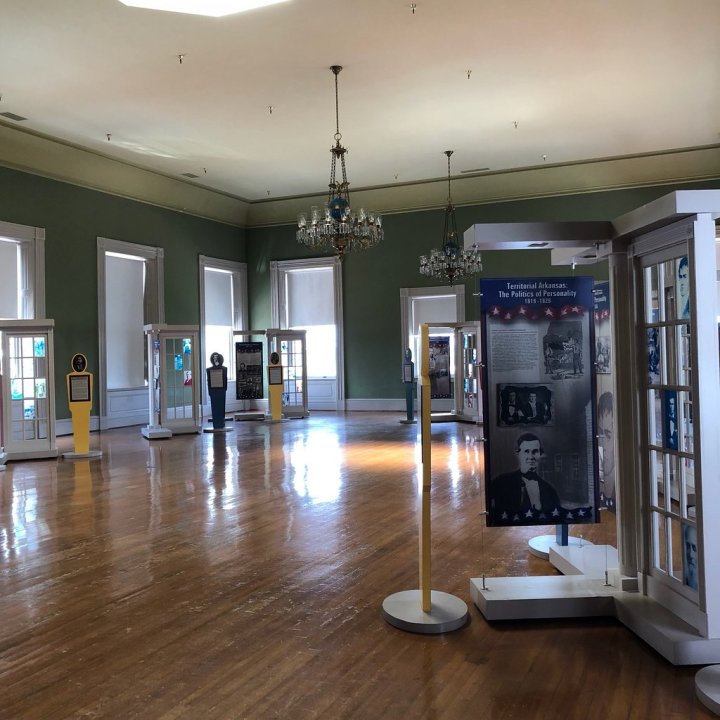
(174, 394)
(290, 345)
(27, 389)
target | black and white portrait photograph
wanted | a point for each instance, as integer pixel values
(682, 282)
(439, 369)
(653, 356)
(670, 414)
(524, 404)
(690, 559)
(563, 349)
(602, 354)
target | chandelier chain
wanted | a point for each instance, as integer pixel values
(337, 226)
(452, 262)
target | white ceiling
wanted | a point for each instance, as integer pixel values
(551, 81)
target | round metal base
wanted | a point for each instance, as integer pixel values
(217, 430)
(540, 544)
(404, 611)
(82, 456)
(707, 687)
(408, 422)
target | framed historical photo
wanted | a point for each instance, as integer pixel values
(79, 388)
(275, 375)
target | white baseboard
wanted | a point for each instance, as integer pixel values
(64, 426)
(375, 404)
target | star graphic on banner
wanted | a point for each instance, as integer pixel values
(549, 312)
(555, 513)
(575, 309)
(516, 517)
(508, 316)
(522, 310)
(529, 513)
(569, 516)
(581, 513)
(504, 516)
(565, 310)
(495, 310)
(541, 516)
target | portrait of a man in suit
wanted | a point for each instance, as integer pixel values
(523, 492)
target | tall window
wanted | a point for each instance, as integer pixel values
(307, 295)
(22, 272)
(223, 309)
(310, 307)
(130, 295)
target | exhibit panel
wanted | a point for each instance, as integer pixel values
(540, 444)
(28, 390)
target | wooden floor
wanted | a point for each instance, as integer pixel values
(219, 577)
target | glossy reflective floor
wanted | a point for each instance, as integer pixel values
(242, 576)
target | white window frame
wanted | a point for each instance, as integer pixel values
(32, 267)
(238, 271)
(278, 299)
(152, 255)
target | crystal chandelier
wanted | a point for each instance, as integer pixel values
(451, 262)
(335, 226)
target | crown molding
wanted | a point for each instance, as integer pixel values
(45, 156)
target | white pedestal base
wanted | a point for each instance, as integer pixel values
(404, 610)
(540, 545)
(250, 415)
(156, 432)
(707, 687)
(82, 456)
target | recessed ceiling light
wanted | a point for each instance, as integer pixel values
(211, 8)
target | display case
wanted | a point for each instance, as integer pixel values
(174, 377)
(468, 398)
(290, 345)
(27, 390)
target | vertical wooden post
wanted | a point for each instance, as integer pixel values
(424, 523)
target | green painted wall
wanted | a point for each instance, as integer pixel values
(372, 279)
(73, 218)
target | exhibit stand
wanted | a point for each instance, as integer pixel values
(275, 388)
(27, 390)
(217, 390)
(425, 611)
(290, 346)
(79, 386)
(455, 371)
(249, 373)
(408, 376)
(173, 390)
(666, 585)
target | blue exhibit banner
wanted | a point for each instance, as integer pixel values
(540, 449)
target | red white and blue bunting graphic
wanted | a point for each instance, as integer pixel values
(534, 313)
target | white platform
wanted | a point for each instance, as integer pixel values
(554, 596)
(249, 415)
(565, 596)
(707, 687)
(156, 432)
